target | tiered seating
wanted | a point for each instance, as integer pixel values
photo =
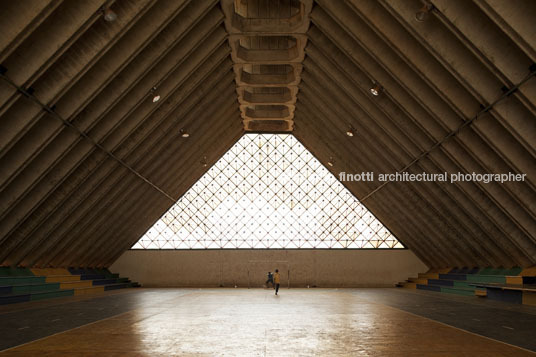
(66, 280)
(104, 280)
(519, 289)
(511, 285)
(411, 283)
(22, 284)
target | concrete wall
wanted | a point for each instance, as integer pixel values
(322, 268)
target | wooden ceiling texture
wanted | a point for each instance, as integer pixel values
(96, 97)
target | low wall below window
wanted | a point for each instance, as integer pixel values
(299, 268)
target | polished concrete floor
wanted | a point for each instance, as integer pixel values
(241, 322)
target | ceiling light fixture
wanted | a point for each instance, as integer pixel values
(184, 133)
(376, 90)
(423, 14)
(156, 97)
(350, 132)
(330, 162)
(109, 14)
(204, 161)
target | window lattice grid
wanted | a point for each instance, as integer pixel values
(267, 191)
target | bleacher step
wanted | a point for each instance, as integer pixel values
(51, 294)
(21, 280)
(62, 278)
(21, 284)
(76, 284)
(32, 288)
(88, 290)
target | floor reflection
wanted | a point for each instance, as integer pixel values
(242, 322)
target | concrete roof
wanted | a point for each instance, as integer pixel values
(88, 159)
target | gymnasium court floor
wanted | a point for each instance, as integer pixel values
(242, 322)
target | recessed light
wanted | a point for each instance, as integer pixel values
(350, 132)
(156, 98)
(375, 91)
(184, 133)
(109, 15)
(330, 162)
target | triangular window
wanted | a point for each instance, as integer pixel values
(268, 191)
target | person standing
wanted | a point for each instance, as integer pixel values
(277, 280)
(270, 280)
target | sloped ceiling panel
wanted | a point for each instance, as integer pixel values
(458, 95)
(88, 161)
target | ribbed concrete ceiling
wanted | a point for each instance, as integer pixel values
(89, 159)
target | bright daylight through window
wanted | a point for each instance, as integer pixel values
(267, 191)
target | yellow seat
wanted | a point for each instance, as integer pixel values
(76, 284)
(62, 278)
(516, 280)
(50, 271)
(409, 285)
(88, 290)
(528, 271)
(419, 280)
(481, 293)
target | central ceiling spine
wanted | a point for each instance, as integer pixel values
(267, 40)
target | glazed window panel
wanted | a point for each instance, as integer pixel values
(268, 191)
